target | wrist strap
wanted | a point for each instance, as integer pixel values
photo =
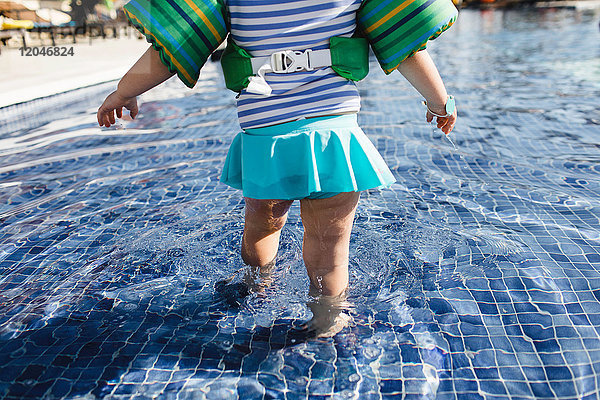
(450, 107)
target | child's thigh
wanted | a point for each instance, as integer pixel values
(269, 213)
(329, 216)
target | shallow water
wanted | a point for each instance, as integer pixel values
(476, 276)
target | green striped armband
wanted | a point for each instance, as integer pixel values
(184, 32)
(396, 29)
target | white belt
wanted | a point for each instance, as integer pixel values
(285, 62)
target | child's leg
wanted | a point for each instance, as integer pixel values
(327, 226)
(262, 229)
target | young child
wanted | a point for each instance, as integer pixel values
(300, 139)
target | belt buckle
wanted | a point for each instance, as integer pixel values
(286, 61)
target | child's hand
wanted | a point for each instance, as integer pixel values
(446, 124)
(115, 101)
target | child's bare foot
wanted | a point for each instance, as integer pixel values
(328, 328)
(254, 280)
(232, 292)
(330, 315)
(257, 279)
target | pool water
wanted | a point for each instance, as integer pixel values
(476, 276)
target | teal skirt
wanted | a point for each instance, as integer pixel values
(302, 158)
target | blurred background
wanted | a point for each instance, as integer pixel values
(92, 42)
(30, 22)
(97, 43)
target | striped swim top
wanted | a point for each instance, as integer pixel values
(263, 27)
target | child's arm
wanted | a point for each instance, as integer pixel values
(421, 72)
(146, 73)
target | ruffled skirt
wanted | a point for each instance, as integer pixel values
(300, 158)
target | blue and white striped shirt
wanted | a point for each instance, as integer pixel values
(263, 27)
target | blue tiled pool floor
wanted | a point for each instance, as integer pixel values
(475, 276)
